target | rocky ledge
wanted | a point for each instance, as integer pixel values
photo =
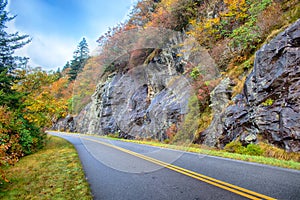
(270, 102)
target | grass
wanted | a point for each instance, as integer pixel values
(291, 164)
(280, 160)
(52, 173)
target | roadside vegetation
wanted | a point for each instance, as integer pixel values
(259, 153)
(32, 99)
(52, 173)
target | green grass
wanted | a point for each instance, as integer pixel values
(220, 153)
(286, 163)
(52, 173)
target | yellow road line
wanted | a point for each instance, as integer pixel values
(226, 186)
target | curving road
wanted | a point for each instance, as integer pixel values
(122, 170)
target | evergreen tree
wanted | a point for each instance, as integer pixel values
(8, 62)
(18, 135)
(80, 56)
(67, 66)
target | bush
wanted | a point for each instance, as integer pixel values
(237, 147)
(253, 150)
(190, 124)
(113, 135)
(234, 147)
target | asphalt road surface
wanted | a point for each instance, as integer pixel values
(127, 171)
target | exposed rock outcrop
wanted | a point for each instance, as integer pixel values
(65, 124)
(151, 93)
(220, 98)
(148, 88)
(269, 103)
(141, 102)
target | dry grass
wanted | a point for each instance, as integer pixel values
(281, 161)
(275, 152)
(52, 173)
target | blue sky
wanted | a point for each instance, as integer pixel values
(57, 26)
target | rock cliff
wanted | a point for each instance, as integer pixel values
(146, 92)
(151, 93)
(269, 103)
(142, 102)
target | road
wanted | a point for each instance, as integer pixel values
(122, 170)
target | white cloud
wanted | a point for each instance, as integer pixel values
(53, 46)
(46, 51)
(50, 52)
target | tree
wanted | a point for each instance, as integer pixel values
(80, 56)
(46, 96)
(8, 62)
(142, 12)
(18, 136)
(67, 66)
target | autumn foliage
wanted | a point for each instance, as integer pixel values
(33, 99)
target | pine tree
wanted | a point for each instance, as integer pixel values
(67, 66)
(8, 61)
(18, 135)
(80, 56)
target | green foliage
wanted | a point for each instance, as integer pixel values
(113, 135)
(80, 56)
(237, 147)
(18, 135)
(268, 102)
(245, 37)
(8, 62)
(190, 124)
(195, 73)
(253, 150)
(234, 147)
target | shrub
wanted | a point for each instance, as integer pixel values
(113, 135)
(253, 150)
(268, 102)
(250, 149)
(190, 124)
(195, 73)
(234, 147)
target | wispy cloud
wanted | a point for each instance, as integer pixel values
(47, 51)
(58, 26)
(50, 51)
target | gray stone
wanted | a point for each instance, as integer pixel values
(220, 97)
(142, 102)
(269, 103)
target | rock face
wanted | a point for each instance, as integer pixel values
(148, 88)
(141, 102)
(65, 124)
(220, 97)
(270, 102)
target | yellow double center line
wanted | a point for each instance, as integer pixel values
(226, 186)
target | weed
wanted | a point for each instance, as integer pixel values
(268, 102)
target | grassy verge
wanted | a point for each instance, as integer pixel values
(291, 164)
(220, 153)
(52, 173)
